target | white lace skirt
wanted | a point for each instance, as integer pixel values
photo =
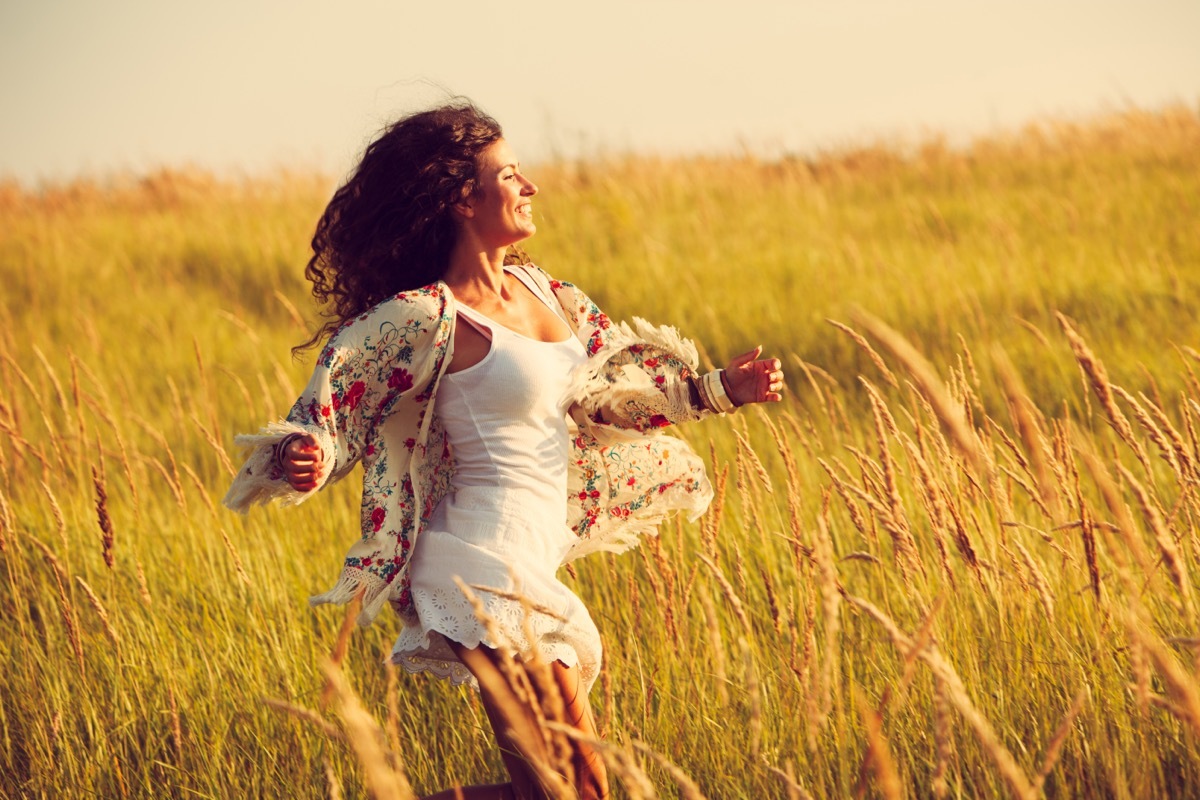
(512, 543)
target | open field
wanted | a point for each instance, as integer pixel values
(959, 561)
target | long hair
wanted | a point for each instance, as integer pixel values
(390, 226)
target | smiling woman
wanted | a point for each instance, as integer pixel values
(504, 424)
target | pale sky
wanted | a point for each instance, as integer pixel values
(95, 86)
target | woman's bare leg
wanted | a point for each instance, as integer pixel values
(519, 734)
(514, 723)
(591, 777)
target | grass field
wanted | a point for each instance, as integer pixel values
(957, 562)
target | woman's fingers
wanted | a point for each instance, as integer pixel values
(302, 463)
(772, 377)
(775, 382)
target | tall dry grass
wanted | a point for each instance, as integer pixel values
(958, 562)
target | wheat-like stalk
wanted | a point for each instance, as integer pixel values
(122, 450)
(172, 483)
(102, 518)
(341, 644)
(1176, 564)
(331, 780)
(393, 707)
(143, 587)
(688, 788)
(122, 786)
(176, 726)
(201, 489)
(1120, 511)
(788, 774)
(65, 607)
(885, 425)
(735, 602)
(1150, 425)
(308, 715)
(1054, 748)
(831, 600)
(6, 523)
(862, 342)
(878, 754)
(1031, 432)
(942, 740)
(383, 780)
(60, 521)
(1040, 584)
(931, 387)
(922, 640)
(716, 647)
(759, 470)
(754, 698)
(215, 444)
(1103, 389)
(237, 558)
(101, 612)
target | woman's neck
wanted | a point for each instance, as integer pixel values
(476, 273)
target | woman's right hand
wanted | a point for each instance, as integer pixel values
(302, 462)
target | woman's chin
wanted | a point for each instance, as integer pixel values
(524, 234)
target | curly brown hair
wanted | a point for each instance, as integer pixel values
(389, 227)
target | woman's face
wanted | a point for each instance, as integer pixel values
(500, 212)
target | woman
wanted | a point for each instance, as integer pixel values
(449, 374)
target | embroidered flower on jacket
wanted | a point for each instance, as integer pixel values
(354, 395)
(400, 379)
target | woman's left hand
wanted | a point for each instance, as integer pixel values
(749, 379)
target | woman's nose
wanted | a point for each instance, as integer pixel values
(530, 188)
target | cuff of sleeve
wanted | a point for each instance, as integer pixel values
(260, 479)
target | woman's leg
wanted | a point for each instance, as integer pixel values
(515, 724)
(520, 736)
(591, 777)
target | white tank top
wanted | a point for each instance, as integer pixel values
(503, 415)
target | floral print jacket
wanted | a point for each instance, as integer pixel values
(372, 399)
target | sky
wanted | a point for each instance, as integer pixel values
(90, 87)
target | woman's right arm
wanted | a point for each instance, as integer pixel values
(368, 366)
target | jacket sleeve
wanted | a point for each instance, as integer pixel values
(367, 367)
(636, 377)
(637, 382)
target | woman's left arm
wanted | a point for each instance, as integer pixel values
(644, 377)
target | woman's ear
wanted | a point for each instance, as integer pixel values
(465, 208)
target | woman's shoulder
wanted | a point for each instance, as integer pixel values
(423, 302)
(413, 311)
(432, 295)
